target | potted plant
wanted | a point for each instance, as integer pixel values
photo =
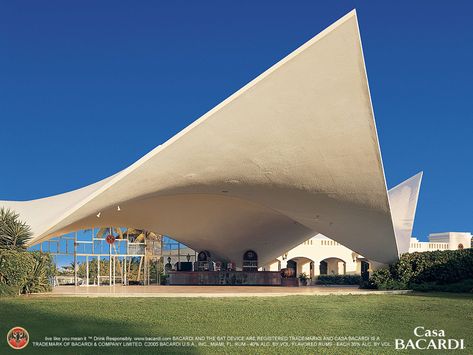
(303, 277)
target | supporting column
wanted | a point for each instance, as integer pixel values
(110, 262)
(75, 259)
(124, 270)
(144, 270)
(87, 269)
(147, 272)
(98, 270)
(178, 256)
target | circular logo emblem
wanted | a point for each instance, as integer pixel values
(18, 337)
(110, 239)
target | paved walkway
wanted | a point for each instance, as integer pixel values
(206, 291)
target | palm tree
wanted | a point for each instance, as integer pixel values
(14, 233)
(143, 236)
(134, 236)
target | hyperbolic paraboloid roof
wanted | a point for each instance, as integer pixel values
(293, 153)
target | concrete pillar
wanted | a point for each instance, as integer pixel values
(87, 269)
(124, 271)
(75, 259)
(340, 268)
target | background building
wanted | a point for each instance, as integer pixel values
(322, 255)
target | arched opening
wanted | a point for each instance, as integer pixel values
(302, 265)
(460, 246)
(204, 261)
(292, 264)
(250, 261)
(364, 270)
(323, 268)
(332, 266)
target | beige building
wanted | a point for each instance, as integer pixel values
(322, 255)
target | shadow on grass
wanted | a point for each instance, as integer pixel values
(42, 319)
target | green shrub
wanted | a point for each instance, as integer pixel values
(14, 233)
(368, 284)
(445, 266)
(164, 279)
(382, 279)
(15, 266)
(6, 290)
(465, 286)
(39, 276)
(338, 280)
(303, 276)
(25, 272)
(429, 268)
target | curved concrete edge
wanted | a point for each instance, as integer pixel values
(403, 200)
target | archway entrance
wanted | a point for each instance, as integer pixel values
(332, 266)
(365, 266)
(292, 264)
(302, 265)
(323, 268)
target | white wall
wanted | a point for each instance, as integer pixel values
(454, 239)
(319, 248)
(341, 260)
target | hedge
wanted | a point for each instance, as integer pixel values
(426, 268)
(464, 286)
(25, 272)
(338, 280)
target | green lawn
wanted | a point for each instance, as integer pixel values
(383, 316)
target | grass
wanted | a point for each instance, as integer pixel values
(384, 316)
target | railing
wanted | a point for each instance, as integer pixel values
(425, 246)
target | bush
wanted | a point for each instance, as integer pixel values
(382, 279)
(440, 266)
(465, 286)
(368, 284)
(14, 268)
(427, 268)
(303, 277)
(25, 272)
(338, 280)
(6, 290)
(164, 279)
(41, 273)
(14, 233)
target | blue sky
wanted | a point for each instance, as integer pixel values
(88, 87)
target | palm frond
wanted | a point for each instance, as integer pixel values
(14, 233)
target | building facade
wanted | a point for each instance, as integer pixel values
(323, 256)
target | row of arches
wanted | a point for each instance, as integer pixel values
(327, 266)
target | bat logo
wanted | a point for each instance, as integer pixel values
(18, 337)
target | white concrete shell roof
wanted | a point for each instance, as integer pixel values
(403, 201)
(293, 153)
